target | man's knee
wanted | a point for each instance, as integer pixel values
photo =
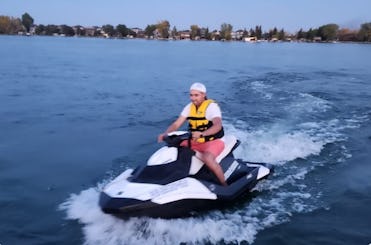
(207, 157)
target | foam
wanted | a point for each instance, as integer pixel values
(229, 226)
(307, 103)
(100, 228)
(275, 145)
(261, 88)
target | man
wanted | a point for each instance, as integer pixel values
(205, 123)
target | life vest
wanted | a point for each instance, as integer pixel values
(198, 122)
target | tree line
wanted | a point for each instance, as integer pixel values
(162, 30)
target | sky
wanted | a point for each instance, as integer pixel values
(291, 15)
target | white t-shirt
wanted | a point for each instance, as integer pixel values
(212, 111)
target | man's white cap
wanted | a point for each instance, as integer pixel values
(199, 87)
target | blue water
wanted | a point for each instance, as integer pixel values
(76, 112)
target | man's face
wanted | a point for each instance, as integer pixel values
(197, 97)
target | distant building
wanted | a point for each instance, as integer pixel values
(274, 39)
(185, 35)
(136, 30)
(215, 35)
(91, 31)
(79, 30)
(33, 29)
(203, 32)
(140, 33)
(237, 35)
(250, 39)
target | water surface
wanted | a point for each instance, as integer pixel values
(75, 112)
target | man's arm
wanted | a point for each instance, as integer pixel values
(174, 126)
(217, 126)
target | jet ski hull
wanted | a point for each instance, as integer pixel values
(174, 183)
(185, 205)
(176, 209)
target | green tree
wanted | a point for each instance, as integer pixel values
(195, 31)
(328, 32)
(109, 30)
(40, 30)
(258, 32)
(245, 33)
(205, 33)
(364, 33)
(174, 32)
(27, 21)
(51, 30)
(67, 30)
(301, 34)
(163, 28)
(273, 33)
(122, 30)
(208, 34)
(281, 35)
(311, 33)
(149, 31)
(252, 32)
(226, 31)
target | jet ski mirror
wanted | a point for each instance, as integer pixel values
(174, 139)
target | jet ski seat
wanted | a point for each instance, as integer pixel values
(230, 142)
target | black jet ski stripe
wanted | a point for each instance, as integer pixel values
(196, 118)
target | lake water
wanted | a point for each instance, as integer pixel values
(76, 112)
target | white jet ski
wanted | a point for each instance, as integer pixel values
(174, 183)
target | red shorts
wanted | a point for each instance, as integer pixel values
(214, 147)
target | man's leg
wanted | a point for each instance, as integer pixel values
(209, 159)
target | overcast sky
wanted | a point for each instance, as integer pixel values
(288, 14)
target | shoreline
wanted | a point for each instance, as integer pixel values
(199, 40)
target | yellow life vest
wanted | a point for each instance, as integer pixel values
(198, 122)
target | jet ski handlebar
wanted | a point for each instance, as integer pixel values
(174, 139)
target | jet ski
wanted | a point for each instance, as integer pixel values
(174, 183)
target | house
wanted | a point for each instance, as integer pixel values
(185, 35)
(237, 35)
(204, 33)
(274, 39)
(136, 30)
(250, 39)
(140, 33)
(91, 31)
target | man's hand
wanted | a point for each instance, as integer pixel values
(160, 138)
(196, 135)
